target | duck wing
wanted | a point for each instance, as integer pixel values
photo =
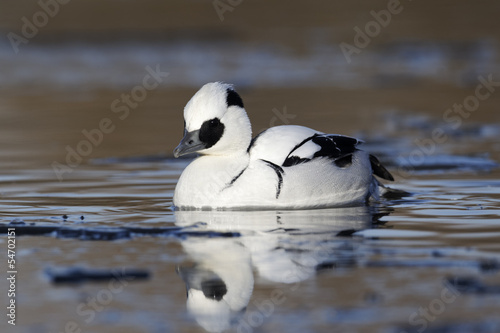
(286, 146)
(338, 148)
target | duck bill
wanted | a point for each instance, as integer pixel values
(190, 143)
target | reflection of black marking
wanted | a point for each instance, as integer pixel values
(279, 172)
(346, 262)
(214, 289)
(199, 278)
(346, 233)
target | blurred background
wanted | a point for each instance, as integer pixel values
(64, 63)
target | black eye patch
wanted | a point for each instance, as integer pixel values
(233, 98)
(211, 131)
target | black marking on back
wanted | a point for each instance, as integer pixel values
(379, 170)
(339, 148)
(343, 162)
(254, 140)
(211, 131)
(279, 172)
(300, 144)
(228, 185)
(335, 147)
(233, 98)
(294, 160)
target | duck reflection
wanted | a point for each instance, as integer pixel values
(220, 283)
(282, 247)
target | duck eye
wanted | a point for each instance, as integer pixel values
(214, 122)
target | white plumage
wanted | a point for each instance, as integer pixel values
(287, 167)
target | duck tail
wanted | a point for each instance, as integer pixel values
(379, 169)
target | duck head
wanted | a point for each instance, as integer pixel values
(216, 122)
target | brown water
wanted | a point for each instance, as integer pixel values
(428, 262)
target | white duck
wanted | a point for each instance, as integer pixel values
(286, 167)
